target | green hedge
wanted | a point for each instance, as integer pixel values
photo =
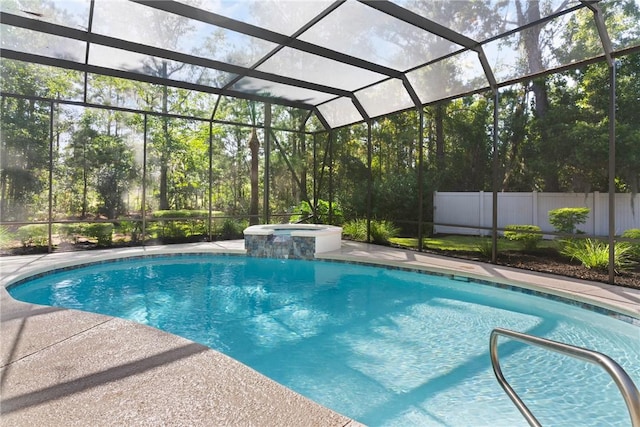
(527, 236)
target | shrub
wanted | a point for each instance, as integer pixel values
(565, 220)
(33, 235)
(527, 236)
(183, 222)
(181, 213)
(594, 254)
(381, 231)
(633, 233)
(102, 232)
(130, 228)
(356, 229)
(232, 229)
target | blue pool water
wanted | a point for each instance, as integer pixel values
(382, 346)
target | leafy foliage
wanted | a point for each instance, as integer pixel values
(33, 235)
(381, 231)
(181, 213)
(232, 229)
(179, 223)
(552, 135)
(133, 229)
(322, 212)
(565, 220)
(485, 247)
(102, 232)
(594, 253)
(527, 235)
(633, 233)
(6, 237)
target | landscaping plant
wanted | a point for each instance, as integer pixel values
(527, 236)
(381, 231)
(633, 233)
(566, 220)
(594, 254)
(33, 235)
(485, 247)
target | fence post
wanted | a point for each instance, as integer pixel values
(481, 232)
(595, 213)
(435, 209)
(535, 220)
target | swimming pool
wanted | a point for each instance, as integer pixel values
(381, 346)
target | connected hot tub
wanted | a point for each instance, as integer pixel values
(301, 241)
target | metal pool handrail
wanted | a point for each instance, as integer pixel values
(620, 377)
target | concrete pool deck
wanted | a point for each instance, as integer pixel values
(72, 368)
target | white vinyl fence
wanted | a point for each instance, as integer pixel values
(474, 209)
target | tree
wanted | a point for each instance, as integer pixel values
(79, 162)
(24, 142)
(113, 174)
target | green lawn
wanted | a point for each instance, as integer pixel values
(464, 243)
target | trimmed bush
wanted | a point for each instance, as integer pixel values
(565, 220)
(594, 254)
(527, 236)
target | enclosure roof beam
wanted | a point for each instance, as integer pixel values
(59, 30)
(72, 65)
(191, 12)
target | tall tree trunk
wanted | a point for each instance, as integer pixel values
(303, 174)
(439, 122)
(254, 146)
(533, 50)
(85, 184)
(164, 155)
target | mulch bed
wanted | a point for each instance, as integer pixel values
(554, 263)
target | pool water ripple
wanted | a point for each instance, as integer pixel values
(384, 347)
